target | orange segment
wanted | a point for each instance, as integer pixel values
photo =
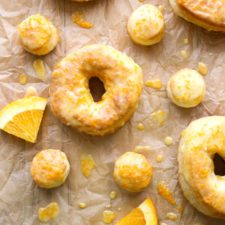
(136, 217)
(20, 128)
(144, 214)
(22, 118)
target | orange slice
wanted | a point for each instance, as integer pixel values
(22, 118)
(144, 214)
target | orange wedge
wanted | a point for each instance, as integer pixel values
(22, 118)
(144, 214)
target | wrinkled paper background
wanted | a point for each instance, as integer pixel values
(20, 199)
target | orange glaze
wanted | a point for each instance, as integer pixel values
(164, 191)
(79, 19)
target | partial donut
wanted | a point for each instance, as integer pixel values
(186, 88)
(72, 102)
(38, 35)
(146, 25)
(50, 168)
(132, 172)
(199, 143)
(208, 14)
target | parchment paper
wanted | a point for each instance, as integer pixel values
(20, 198)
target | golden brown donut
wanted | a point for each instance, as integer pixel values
(199, 143)
(50, 168)
(146, 25)
(72, 102)
(132, 172)
(209, 14)
(38, 35)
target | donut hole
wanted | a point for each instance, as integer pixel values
(97, 88)
(219, 165)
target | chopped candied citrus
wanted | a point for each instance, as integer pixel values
(108, 216)
(39, 68)
(82, 205)
(141, 127)
(202, 68)
(161, 8)
(159, 116)
(23, 79)
(113, 195)
(22, 118)
(164, 191)
(144, 214)
(171, 216)
(140, 148)
(87, 165)
(184, 54)
(168, 140)
(31, 91)
(79, 19)
(155, 84)
(48, 213)
(159, 158)
(185, 41)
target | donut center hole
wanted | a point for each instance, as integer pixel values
(97, 88)
(219, 165)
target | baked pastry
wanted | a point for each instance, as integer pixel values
(146, 25)
(71, 100)
(132, 172)
(199, 143)
(186, 88)
(50, 168)
(208, 14)
(38, 35)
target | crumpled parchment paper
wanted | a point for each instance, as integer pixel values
(20, 198)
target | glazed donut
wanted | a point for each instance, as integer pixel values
(50, 168)
(38, 35)
(199, 143)
(186, 88)
(72, 102)
(146, 25)
(132, 172)
(207, 14)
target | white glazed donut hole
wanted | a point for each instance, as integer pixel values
(38, 35)
(132, 172)
(146, 25)
(50, 168)
(186, 88)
